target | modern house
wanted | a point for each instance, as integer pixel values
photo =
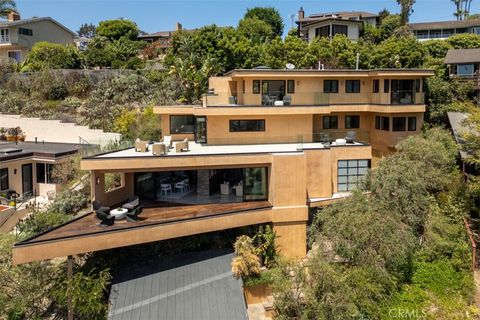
(349, 23)
(26, 167)
(265, 146)
(464, 65)
(441, 30)
(162, 39)
(17, 36)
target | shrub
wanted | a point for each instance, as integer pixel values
(246, 263)
(264, 277)
(39, 222)
(69, 202)
(57, 91)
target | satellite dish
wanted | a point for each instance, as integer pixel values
(290, 66)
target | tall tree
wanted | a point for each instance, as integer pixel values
(116, 29)
(270, 15)
(463, 9)
(7, 6)
(87, 30)
(405, 9)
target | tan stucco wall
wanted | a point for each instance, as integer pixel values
(353, 29)
(113, 197)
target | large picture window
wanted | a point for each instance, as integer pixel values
(352, 122)
(330, 122)
(352, 86)
(44, 173)
(4, 179)
(330, 86)
(182, 124)
(247, 125)
(399, 124)
(339, 29)
(322, 31)
(350, 173)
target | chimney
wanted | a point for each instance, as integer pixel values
(178, 26)
(13, 16)
(301, 14)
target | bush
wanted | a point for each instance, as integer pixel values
(264, 277)
(57, 91)
(39, 222)
(69, 202)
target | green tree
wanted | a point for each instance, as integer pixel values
(269, 15)
(398, 52)
(406, 8)
(46, 55)
(274, 54)
(437, 48)
(87, 30)
(118, 28)
(7, 6)
(464, 41)
(98, 54)
(255, 29)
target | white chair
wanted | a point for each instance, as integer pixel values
(225, 188)
(186, 183)
(180, 186)
(165, 189)
(167, 141)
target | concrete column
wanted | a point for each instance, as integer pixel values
(291, 239)
(203, 182)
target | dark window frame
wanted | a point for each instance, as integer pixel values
(256, 88)
(353, 86)
(355, 124)
(376, 86)
(25, 31)
(4, 182)
(330, 122)
(183, 131)
(397, 125)
(329, 88)
(386, 85)
(290, 86)
(351, 168)
(238, 127)
(339, 29)
(319, 32)
(44, 173)
(417, 85)
(412, 124)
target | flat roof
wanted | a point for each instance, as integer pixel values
(444, 24)
(459, 129)
(13, 151)
(326, 71)
(462, 56)
(189, 286)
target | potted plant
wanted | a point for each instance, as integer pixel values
(3, 136)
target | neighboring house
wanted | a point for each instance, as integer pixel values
(162, 39)
(464, 65)
(17, 36)
(441, 30)
(266, 146)
(460, 129)
(329, 24)
(26, 167)
(82, 42)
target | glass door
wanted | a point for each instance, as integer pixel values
(27, 178)
(201, 129)
(255, 186)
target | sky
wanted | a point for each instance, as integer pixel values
(162, 15)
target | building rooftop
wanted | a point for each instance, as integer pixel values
(444, 24)
(8, 23)
(13, 151)
(263, 69)
(341, 15)
(462, 56)
(459, 129)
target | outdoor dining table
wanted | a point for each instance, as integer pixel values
(119, 213)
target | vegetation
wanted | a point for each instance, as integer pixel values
(7, 6)
(270, 16)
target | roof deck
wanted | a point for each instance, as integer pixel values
(84, 234)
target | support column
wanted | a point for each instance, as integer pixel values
(291, 239)
(69, 287)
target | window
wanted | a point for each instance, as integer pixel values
(330, 86)
(322, 31)
(338, 29)
(350, 173)
(403, 91)
(256, 86)
(290, 86)
(417, 85)
(330, 122)
(352, 122)
(181, 124)
(25, 31)
(112, 181)
(247, 125)
(382, 123)
(243, 86)
(412, 123)
(4, 35)
(399, 124)
(386, 85)
(4, 179)
(376, 86)
(465, 69)
(352, 86)
(256, 187)
(44, 173)
(15, 55)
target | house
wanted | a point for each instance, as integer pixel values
(349, 23)
(265, 146)
(441, 30)
(161, 39)
(18, 36)
(26, 167)
(464, 65)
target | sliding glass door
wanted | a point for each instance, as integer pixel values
(256, 186)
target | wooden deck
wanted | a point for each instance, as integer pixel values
(89, 224)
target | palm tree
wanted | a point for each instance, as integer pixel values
(7, 6)
(463, 9)
(405, 9)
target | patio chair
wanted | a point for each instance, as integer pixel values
(105, 217)
(287, 100)
(96, 206)
(159, 149)
(182, 146)
(132, 203)
(180, 186)
(141, 146)
(167, 141)
(133, 216)
(266, 101)
(165, 188)
(351, 136)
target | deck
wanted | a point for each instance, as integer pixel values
(84, 234)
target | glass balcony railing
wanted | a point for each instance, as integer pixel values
(95, 147)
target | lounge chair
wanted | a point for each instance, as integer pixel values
(141, 146)
(287, 100)
(133, 216)
(167, 141)
(132, 203)
(351, 136)
(106, 218)
(182, 146)
(159, 149)
(266, 101)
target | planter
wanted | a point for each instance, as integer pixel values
(257, 294)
